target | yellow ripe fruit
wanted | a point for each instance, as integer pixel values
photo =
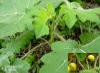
(68, 69)
(72, 66)
(91, 57)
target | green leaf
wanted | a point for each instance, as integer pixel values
(87, 15)
(14, 47)
(81, 56)
(56, 61)
(40, 26)
(88, 71)
(95, 10)
(70, 18)
(55, 3)
(30, 58)
(19, 66)
(15, 44)
(84, 15)
(71, 10)
(92, 47)
(87, 37)
(15, 16)
(4, 61)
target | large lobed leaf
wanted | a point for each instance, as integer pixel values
(13, 47)
(55, 3)
(57, 60)
(15, 16)
(19, 66)
(74, 12)
(42, 16)
(87, 37)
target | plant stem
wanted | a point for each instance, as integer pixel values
(53, 27)
(60, 37)
(52, 32)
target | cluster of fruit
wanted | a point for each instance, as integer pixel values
(72, 66)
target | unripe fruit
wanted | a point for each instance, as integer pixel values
(68, 69)
(72, 66)
(91, 57)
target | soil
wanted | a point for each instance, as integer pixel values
(88, 5)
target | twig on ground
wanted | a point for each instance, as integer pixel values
(96, 61)
(87, 63)
(80, 62)
(33, 49)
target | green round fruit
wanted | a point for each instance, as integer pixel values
(72, 66)
(91, 57)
